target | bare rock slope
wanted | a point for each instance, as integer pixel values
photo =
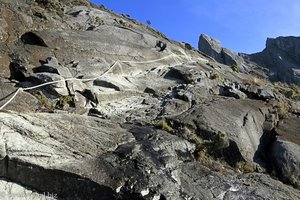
(95, 105)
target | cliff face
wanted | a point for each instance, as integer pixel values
(95, 105)
(282, 57)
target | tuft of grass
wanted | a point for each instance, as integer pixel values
(43, 100)
(65, 101)
(255, 80)
(162, 124)
(295, 88)
(216, 76)
(283, 108)
(245, 167)
(235, 68)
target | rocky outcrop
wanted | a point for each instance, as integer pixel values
(229, 125)
(285, 151)
(88, 158)
(282, 57)
(123, 119)
(213, 48)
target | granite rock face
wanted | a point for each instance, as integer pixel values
(213, 48)
(281, 56)
(123, 119)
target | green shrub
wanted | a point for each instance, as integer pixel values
(245, 167)
(43, 100)
(216, 76)
(65, 101)
(235, 68)
(283, 108)
(295, 88)
(162, 124)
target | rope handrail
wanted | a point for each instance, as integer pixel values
(88, 79)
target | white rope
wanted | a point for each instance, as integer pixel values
(12, 98)
(89, 79)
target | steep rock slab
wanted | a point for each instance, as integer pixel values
(286, 158)
(23, 102)
(285, 152)
(228, 123)
(200, 183)
(47, 152)
(10, 190)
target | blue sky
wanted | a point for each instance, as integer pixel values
(240, 25)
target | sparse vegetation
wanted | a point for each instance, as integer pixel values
(245, 167)
(64, 101)
(235, 68)
(57, 6)
(162, 124)
(283, 108)
(99, 21)
(255, 80)
(46, 104)
(291, 91)
(216, 76)
(295, 88)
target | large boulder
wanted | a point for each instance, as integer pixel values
(286, 159)
(232, 125)
(285, 151)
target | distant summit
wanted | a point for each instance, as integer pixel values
(281, 57)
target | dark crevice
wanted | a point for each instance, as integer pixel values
(17, 72)
(107, 84)
(232, 154)
(33, 39)
(64, 185)
(176, 75)
(263, 154)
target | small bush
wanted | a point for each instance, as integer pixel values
(65, 101)
(162, 124)
(235, 68)
(245, 167)
(47, 105)
(216, 76)
(287, 93)
(283, 108)
(295, 88)
(255, 80)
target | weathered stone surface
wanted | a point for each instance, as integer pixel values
(286, 158)
(13, 191)
(213, 48)
(52, 65)
(207, 184)
(59, 86)
(285, 150)
(24, 102)
(50, 160)
(240, 120)
(86, 158)
(210, 46)
(282, 57)
(121, 85)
